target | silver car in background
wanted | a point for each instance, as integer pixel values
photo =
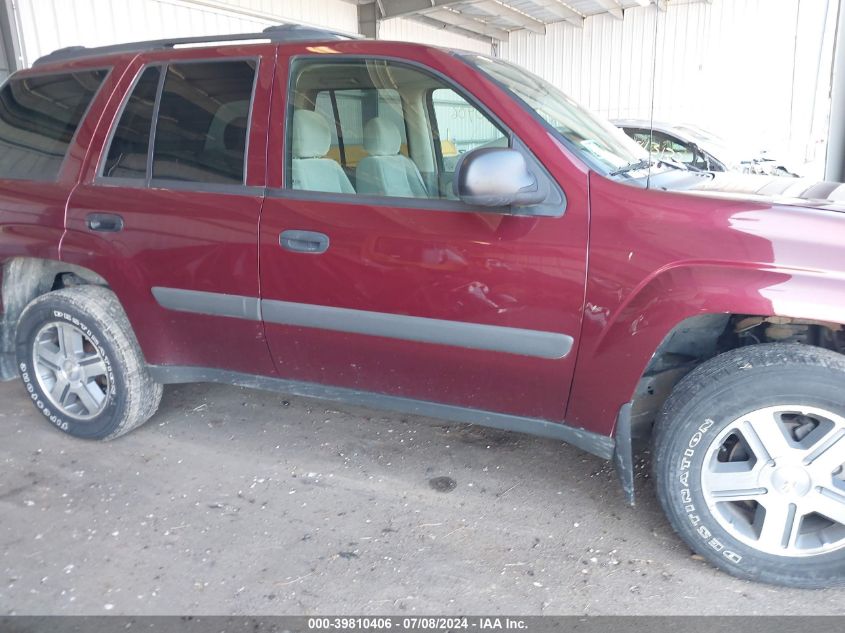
(698, 149)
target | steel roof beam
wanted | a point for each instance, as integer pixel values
(452, 28)
(561, 11)
(467, 22)
(492, 7)
(406, 8)
(612, 7)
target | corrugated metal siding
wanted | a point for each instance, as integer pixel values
(51, 24)
(754, 70)
(746, 69)
(411, 31)
(605, 66)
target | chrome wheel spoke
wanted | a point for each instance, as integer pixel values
(60, 390)
(70, 341)
(779, 525)
(829, 503)
(93, 367)
(52, 359)
(827, 455)
(765, 435)
(726, 484)
(87, 399)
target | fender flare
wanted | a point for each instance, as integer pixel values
(627, 339)
(657, 308)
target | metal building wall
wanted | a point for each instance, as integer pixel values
(411, 31)
(756, 71)
(46, 25)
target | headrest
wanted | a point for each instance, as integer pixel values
(311, 137)
(381, 137)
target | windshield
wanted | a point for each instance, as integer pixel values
(603, 146)
(715, 145)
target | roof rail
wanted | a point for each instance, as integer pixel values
(278, 33)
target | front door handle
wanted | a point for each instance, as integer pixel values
(304, 241)
(104, 222)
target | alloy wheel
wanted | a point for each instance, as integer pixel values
(71, 371)
(773, 479)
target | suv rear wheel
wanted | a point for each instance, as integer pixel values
(749, 460)
(82, 366)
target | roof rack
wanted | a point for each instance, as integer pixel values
(279, 33)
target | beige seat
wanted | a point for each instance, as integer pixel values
(386, 172)
(310, 142)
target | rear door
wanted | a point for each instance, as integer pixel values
(169, 209)
(44, 132)
(374, 277)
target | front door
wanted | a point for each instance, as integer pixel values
(376, 278)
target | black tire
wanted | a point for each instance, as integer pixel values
(716, 394)
(131, 396)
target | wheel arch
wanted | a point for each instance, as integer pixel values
(689, 310)
(24, 279)
(619, 343)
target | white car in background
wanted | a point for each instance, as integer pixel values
(698, 149)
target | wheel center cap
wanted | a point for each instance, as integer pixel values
(792, 481)
(72, 370)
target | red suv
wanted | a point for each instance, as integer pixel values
(433, 232)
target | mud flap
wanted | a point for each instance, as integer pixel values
(623, 452)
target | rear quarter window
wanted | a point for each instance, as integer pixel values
(39, 116)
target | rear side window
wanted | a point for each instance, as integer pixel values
(39, 116)
(203, 122)
(127, 157)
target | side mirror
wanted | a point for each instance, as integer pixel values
(497, 177)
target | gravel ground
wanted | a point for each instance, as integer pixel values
(232, 501)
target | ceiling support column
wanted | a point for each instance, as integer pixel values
(835, 160)
(368, 18)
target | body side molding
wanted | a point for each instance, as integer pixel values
(420, 329)
(495, 338)
(599, 445)
(212, 303)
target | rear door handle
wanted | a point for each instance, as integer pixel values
(104, 222)
(304, 241)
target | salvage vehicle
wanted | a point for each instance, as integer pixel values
(699, 149)
(433, 232)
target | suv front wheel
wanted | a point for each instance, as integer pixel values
(80, 363)
(749, 460)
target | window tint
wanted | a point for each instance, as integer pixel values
(202, 126)
(376, 128)
(38, 118)
(127, 157)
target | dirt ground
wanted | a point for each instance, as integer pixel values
(232, 501)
